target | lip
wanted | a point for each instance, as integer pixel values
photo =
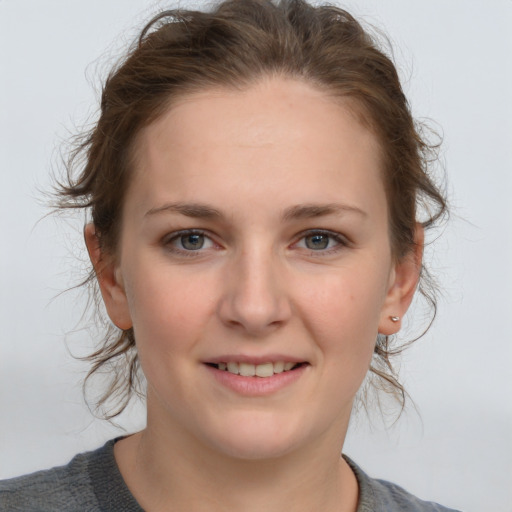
(256, 386)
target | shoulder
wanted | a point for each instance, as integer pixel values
(382, 496)
(63, 488)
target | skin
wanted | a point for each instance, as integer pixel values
(260, 158)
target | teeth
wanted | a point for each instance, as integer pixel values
(265, 370)
(279, 367)
(258, 370)
(233, 368)
(247, 370)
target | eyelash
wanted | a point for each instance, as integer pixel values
(341, 241)
(177, 235)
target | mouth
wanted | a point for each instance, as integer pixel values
(257, 370)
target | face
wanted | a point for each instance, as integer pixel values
(255, 241)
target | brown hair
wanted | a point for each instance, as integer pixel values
(179, 52)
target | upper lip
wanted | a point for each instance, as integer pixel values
(244, 358)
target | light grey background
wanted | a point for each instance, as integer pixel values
(454, 57)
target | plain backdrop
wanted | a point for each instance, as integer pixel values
(454, 59)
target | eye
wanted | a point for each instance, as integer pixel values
(317, 241)
(192, 241)
(321, 241)
(188, 241)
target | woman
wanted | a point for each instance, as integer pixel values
(259, 196)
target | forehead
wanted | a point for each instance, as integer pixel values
(279, 134)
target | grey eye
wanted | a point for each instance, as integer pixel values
(192, 241)
(317, 241)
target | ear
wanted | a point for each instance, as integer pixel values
(110, 280)
(403, 282)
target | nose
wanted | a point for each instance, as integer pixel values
(255, 298)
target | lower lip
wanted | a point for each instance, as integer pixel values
(256, 386)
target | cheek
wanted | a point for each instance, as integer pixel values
(343, 315)
(169, 310)
(170, 315)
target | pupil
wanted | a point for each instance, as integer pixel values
(192, 242)
(317, 241)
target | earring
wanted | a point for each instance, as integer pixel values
(394, 318)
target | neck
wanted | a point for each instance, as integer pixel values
(167, 473)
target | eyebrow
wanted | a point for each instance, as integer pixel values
(195, 210)
(309, 211)
(303, 211)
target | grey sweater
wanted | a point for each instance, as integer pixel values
(92, 482)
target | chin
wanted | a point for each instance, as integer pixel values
(256, 439)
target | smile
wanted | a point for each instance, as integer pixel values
(256, 378)
(256, 370)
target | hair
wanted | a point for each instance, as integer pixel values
(236, 44)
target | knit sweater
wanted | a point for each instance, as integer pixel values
(92, 482)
